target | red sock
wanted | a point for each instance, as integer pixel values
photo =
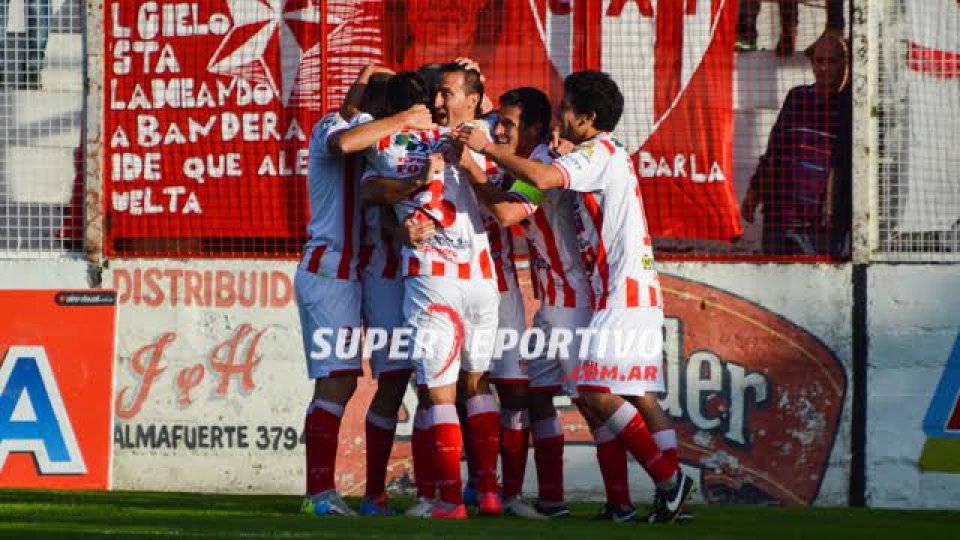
(514, 444)
(612, 457)
(548, 454)
(636, 438)
(322, 428)
(379, 432)
(667, 443)
(483, 419)
(448, 448)
(423, 470)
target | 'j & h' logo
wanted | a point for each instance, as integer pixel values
(33, 418)
(941, 452)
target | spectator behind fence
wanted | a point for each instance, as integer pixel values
(803, 181)
(747, 24)
(23, 60)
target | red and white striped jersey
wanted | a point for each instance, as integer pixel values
(400, 155)
(460, 248)
(502, 248)
(612, 233)
(558, 275)
(332, 180)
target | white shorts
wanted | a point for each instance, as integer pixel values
(551, 371)
(454, 324)
(329, 304)
(628, 365)
(509, 368)
(383, 308)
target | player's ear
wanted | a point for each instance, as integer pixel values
(587, 118)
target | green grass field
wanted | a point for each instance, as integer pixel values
(44, 514)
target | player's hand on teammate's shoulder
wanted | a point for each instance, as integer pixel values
(417, 117)
(370, 70)
(559, 144)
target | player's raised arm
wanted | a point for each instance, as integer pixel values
(378, 190)
(363, 136)
(353, 103)
(539, 175)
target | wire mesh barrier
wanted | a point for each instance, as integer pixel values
(41, 115)
(730, 106)
(918, 202)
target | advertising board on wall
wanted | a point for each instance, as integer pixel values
(211, 387)
(56, 380)
(913, 405)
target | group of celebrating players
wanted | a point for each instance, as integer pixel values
(418, 195)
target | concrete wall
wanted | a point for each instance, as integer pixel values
(763, 414)
(913, 455)
(44, 274)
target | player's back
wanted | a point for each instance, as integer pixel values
(332, 181)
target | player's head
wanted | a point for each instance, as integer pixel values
(458, 96)
(524, 119)
(374, 101)
(591, 102)
(406, 89)
(829, 57)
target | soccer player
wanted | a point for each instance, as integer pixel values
(395, 168)
(326, 283)
(450, 297)
(526, 394)
(618, 256)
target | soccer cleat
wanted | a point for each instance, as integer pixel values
(377, 507)
(685, 516)
(617, 513)
(327, 503)
(470, 495)
(422, 508)
(516, 506)
(553, 510)
(668, 503)
(489, 504)
(445, 511)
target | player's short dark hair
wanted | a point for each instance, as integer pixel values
(595, 92)
(406, 89)
(431, 72)
(534, 107)
(471, 81)
(374, 101)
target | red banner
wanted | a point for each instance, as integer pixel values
(208, 111)
(209, 106)
(675, 61)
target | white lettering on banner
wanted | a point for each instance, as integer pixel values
(678, 167)
(138, 202)
(33, 418)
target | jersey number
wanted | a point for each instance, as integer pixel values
(437, 208)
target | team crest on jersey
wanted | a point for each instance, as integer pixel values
(587, 148)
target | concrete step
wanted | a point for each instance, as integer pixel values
(62, 81)
(39, 175)
(45, 112)
(64, 50)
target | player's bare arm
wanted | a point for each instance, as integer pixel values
(351, 104)
(359, 138)
(383, 191)
(541, 176)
